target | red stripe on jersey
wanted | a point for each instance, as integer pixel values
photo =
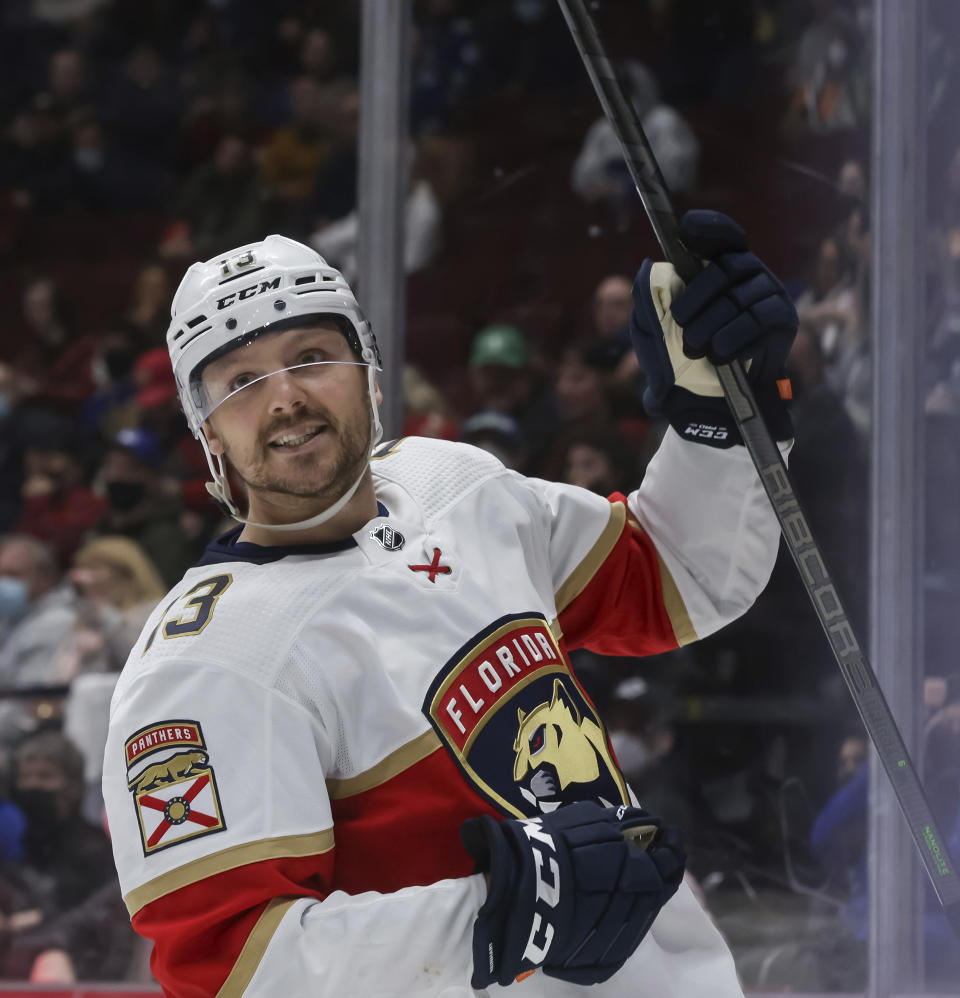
(419, 812)
(621, 609)
(403, 833)
(198, 931)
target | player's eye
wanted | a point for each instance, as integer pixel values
(538, 739)
(239, 381)
(312, 357)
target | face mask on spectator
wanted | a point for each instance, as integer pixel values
(124, 496)
(13, 597)
(40, 807)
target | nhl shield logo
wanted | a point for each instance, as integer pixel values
(518, 725)
(388, 538)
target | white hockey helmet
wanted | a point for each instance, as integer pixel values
(229, 300)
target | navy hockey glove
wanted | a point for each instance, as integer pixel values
(735, 307)
(573, 891)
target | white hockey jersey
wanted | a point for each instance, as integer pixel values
(300, 731)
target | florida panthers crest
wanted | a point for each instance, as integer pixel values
(517, 723)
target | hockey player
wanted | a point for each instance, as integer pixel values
(347, 755)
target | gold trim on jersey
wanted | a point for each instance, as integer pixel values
(580, 577)
(284, 847)
(255, 946)
(683, 629)
(393, 765)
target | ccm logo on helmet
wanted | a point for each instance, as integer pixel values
(548, 891)
(250, 292)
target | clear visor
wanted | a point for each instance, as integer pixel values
(306, 360)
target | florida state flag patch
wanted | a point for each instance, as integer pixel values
(173, 785)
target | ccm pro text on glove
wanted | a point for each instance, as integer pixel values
(568, 891)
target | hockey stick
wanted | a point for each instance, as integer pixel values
(856, 670)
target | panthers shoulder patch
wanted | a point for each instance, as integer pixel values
(173, 784)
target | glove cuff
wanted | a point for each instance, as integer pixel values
(484, 840)
(709, 420)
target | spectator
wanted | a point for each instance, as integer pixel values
(641, 720)
(611, 307)
(54, 364)
(33, 167)
(117, 588)
(599, 173)
(829, 466)
(122, 586)
(503, 380)
(316, 55)
(37, 616)
(13, 824)
(37, 613)
(220, 204)
(426, 413)
(853, 232)
(829, 304)
(137, 506)
(838, 840)
(498, 434)
(335, 183)
(600, 461)
(148, 314)
(338, 241)
(111, 407)
(142, 107)
(833, 308)
(612, 303)
(68, 83)
(104, 178)
(57, 504)
(292, 156)
(585, 403)
(830, 76)
(66, 858)
(92, 942)
(184, 467)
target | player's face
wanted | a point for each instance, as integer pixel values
(303, 432)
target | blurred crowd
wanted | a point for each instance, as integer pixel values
(137, 138)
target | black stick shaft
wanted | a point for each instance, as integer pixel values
(857, 672)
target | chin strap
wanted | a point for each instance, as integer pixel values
(219, 488)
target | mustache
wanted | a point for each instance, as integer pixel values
(287, 422)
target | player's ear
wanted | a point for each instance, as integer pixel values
(213, 441)
(377, 394)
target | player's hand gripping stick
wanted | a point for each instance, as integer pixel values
(572, 892)
(733, 307)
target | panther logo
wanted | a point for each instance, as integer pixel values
(174, 768)
(517, 724)
(558, 751)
